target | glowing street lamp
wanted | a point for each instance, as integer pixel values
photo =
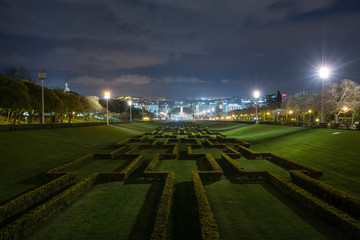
(256, 96)
(324, 73)
(352, 116)
(107, 96)
(130, 103)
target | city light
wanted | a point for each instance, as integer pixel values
(256, 94)
(107, 96)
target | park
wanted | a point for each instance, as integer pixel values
(180, 180)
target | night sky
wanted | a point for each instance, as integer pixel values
(182, 48)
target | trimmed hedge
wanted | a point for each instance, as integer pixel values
(242, 173)
(206, 217)
(212, 163)
(18, 127)
(241, 142)
(232, 152)
(113, 154)
(154, 163)
(71, 166)
(27, 222)
(248, 153)
(293, 165)
(322, 209)
(331, 195)
(124, 142)
(24, 201)
(132, 166)
(163, 212)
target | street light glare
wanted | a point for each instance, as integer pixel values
(324, 72)
(130, 103)
(256, 94)
(345, 108)
(107, 95)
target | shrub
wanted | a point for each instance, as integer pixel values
(328, 213)
(24, 224)
(207, 221)
(71, 166)
(333, 196)
(293, 165)
(26, 200)
(132, 166)
(212, 163)
(163, 212)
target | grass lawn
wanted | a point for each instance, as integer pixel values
(27, 155)
(258, 211)
(221, 126)
(107, 211)
(337, 155)
(101, 165)
(182, 168)
(142, 126)
(260, 164)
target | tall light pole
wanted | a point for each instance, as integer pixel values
(256, 96)
(42, 77)
(130, 103)
(107, 96)
(323, 73)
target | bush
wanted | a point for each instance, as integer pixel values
(71, 166)
(163, 212)
(132, 166)
(293, 165)
(24, 224)
(247, 152)
(207, 221)
(333, 196)
(26, 200)
(239, 170)
(328, 213)
(212, 163)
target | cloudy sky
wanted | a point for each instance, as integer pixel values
(182, 48)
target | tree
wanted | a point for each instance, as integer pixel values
(340, 95)
(301, 103)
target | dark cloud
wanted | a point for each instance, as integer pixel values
(213, 47)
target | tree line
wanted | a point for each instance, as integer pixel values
(340, 99)
(21, 98)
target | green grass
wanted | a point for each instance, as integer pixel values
(221, 126)
(142, 126)
(262, 164)
(182, 168)
(101, 165)
(337, 155)
(27, 155)
(257, 211)
(107, 211)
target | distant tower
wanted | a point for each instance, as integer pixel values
(181, 111)
(67, 89)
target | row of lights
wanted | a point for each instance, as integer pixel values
(107, 97)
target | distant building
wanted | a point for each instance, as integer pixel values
(67, 89)
(152, 107)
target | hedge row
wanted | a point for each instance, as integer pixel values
(333, 196)
(113, 154)
(163, 212)
(12, 127)
(192, 155)
(71, 166)
(122, 143)
(26, 200)
(232, 152)
(322, 209)
(153, 163)
(150, 145)
(212, 163)
(293, 165)
(248, 153)
(27, 222)
(132, 166)
(241, 142)
(206, 217)
(241, 172)
(212, 145)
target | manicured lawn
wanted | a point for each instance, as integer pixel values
(142, 126)
(257, 211)
(27, 155)
(107, 211)
(260, 164)
(337, 155)
(182, 168)
(100, 165)
(221, 126)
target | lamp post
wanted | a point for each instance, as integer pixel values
(107, 96)
(256, 96)
(130, 103)
(42, 77)
(323, 73)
